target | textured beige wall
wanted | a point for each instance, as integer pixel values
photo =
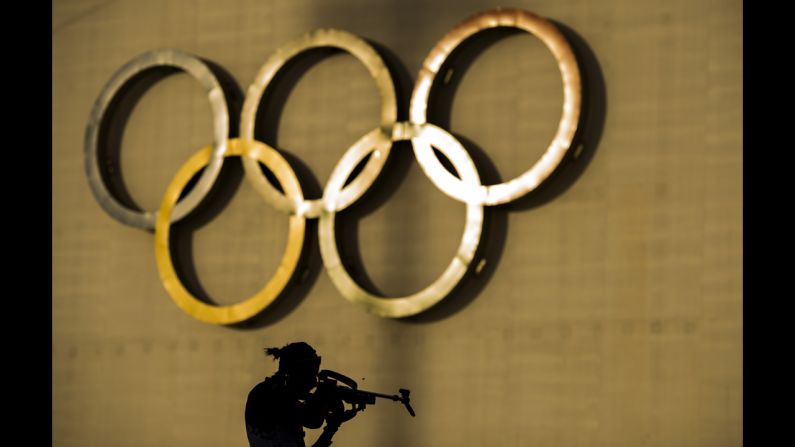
(608, 315)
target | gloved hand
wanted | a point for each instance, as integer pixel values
(338, 414)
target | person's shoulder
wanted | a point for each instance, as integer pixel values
(267, 386)
(262, 387)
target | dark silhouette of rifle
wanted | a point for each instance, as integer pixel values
(340, 389)
(345, 389)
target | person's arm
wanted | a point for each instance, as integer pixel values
(328, 432)
(312, 417)
(333, 421)
(317, 406)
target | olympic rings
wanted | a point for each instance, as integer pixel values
(377, 143)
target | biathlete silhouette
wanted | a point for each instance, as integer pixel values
(279, 407)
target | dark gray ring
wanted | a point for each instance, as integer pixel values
(191, 65)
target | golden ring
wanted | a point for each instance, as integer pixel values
(251, 306)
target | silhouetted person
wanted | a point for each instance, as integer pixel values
(279, 407)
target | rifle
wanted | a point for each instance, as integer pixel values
(348, 391)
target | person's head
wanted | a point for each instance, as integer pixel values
(298, 365)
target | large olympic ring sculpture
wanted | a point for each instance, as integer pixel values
(336, 195)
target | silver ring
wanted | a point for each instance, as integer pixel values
(366, 54)
(94, 144)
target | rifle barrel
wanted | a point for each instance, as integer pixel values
(404, 399)
(387, 396)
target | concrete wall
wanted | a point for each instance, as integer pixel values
(609, 312)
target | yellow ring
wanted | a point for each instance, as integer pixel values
(258, 302)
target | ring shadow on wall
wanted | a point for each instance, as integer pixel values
(589, 130)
